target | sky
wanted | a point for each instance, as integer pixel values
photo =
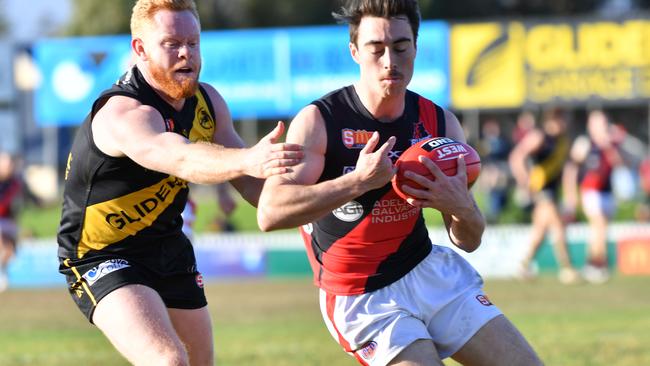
(32, 19)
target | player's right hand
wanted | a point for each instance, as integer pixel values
(270, 157)
(374, 168)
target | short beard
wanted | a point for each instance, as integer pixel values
(175, 89)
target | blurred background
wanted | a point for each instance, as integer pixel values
(498, 64)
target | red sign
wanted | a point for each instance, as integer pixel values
(634, 256)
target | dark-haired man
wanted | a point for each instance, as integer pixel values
(388, 295)
(129, 267)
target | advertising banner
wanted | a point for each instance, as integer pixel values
(263, 73)
(509, 64)
(6, 74)
(74, 72)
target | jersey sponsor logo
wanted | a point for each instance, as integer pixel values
(141, 209)
(355, 139)
(348, 169)
(394, 155)
(392, 210)
(308, 228)
(104, 269)
(350, 212)
(367, 352)
(199, 280)
(109, 222)
(484, 300)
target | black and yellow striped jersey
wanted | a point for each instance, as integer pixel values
(548, 162)
(115, 206)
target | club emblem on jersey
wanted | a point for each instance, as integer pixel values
(419, 132)
(368, 351)
(205, 120)
(355, 139)
(350, 212)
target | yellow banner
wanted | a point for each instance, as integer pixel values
(502, 65)
(486, 65)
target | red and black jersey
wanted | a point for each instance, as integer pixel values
(9, 192)
(112, 205)
(375, 239)
(597, 168)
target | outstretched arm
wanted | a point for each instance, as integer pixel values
(124, 127)
(294, 199)
(519, 155)
(577, 156)
(270, 156)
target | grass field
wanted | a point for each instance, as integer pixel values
(277, 322)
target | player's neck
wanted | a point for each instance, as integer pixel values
(383, 107)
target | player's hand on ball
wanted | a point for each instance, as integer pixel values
(447, 194)
(374, 168)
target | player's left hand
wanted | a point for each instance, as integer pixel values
(447, 194)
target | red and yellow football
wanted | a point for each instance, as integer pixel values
(444, 152)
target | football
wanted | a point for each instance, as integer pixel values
(441, 150)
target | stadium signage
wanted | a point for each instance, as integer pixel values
(261, 73)
(509, 64)
(584, 60)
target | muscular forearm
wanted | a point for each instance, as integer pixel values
(249, 188)
(206, 163)
(288, 205)
(466, 228)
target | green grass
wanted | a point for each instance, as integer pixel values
(277, 322)
(42, 222)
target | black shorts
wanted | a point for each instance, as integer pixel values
(168, 268)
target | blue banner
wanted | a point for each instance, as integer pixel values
(269, 73)
(74, 72)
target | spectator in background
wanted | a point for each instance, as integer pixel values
(547, 150)
(10, 188)
(525, 123)
(494, 149)
(587, 180)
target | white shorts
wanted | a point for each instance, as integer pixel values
(440, 299)
(596, 202)
(8, 229)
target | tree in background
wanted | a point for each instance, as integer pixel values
(4, 27)
(96, 17)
